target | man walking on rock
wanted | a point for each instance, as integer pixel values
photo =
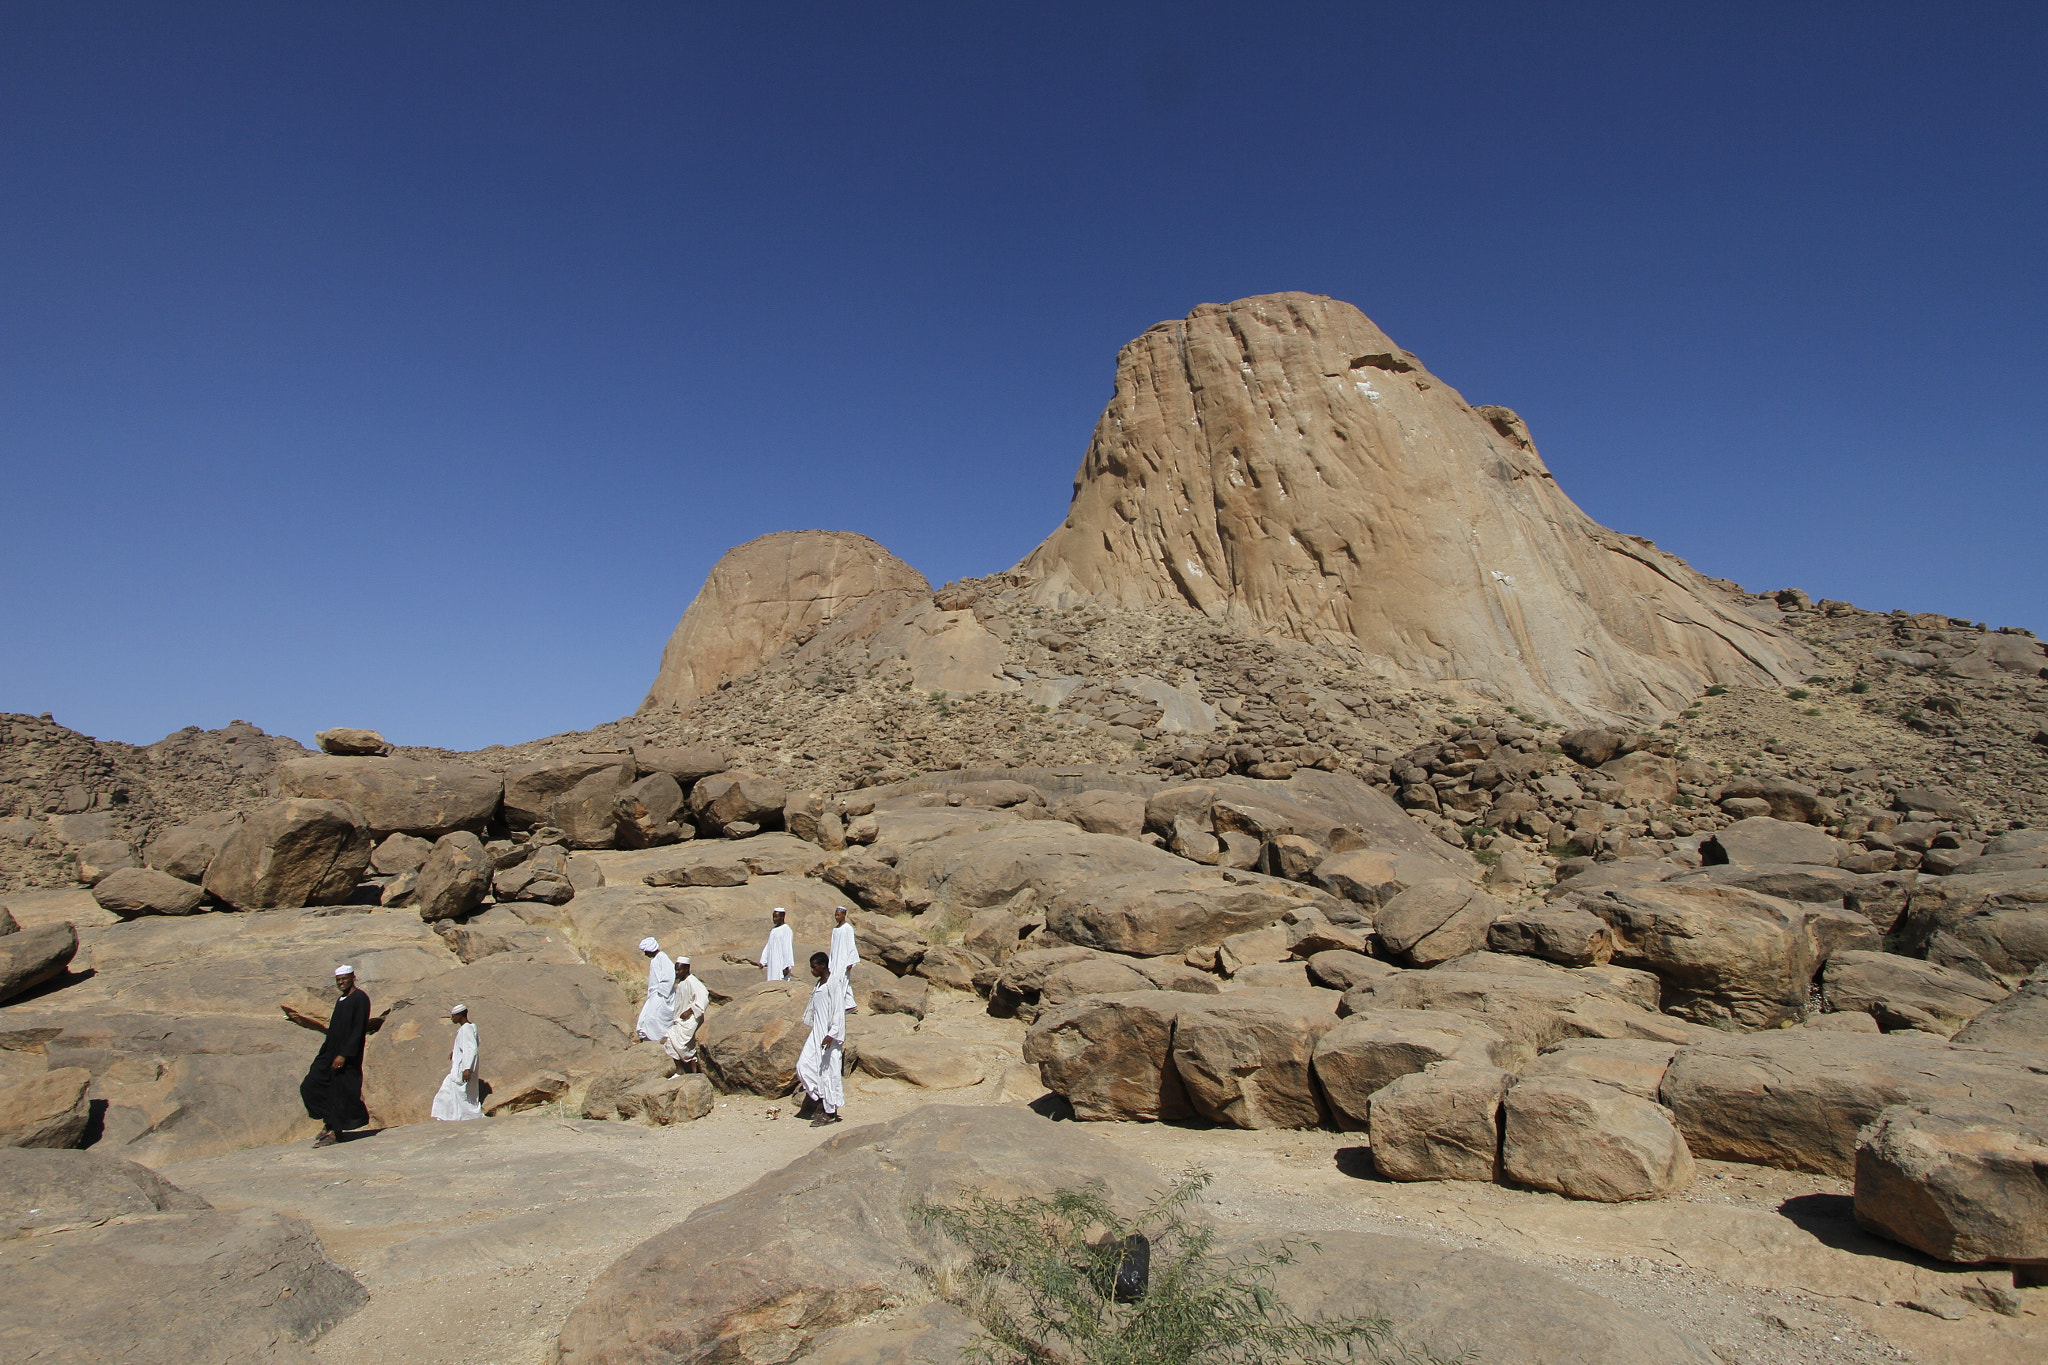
(461, 1093)
(818, 1065)
(845, 952)
(778, 955)
(660, 1010)
(333, 1090)
(692, 1000)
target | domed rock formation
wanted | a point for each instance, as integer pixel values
(1280, 460)
(768, 593)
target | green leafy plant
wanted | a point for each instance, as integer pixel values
(1811, 711)
(1041, 1277)
(1717, 691)
(1693, 714)
(1799, 694)
(1859, 687)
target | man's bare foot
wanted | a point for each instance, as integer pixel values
(326, 1139)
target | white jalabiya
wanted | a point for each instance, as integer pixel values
(845, 952)
(457, 1098)
(692, 999)
(660, 1010)
(818, 1066)
(778, 955)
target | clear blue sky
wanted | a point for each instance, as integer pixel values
(408, 365)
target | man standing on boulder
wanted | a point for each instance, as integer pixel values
(660, 1010)
(461, 1093)
(333, 1090)
(778, 955)
(845, 952)
(692, 1000)
(818, 1065)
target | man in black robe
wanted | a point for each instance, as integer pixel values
(333, 1089)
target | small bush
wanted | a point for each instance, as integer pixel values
(1693, 714)
(1717, 691)
(1042, 1280)
(1486, 857)
(1811, 711)
(1816, 682)
(1859, 687)
(1799, 694)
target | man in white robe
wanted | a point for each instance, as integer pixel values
(461, 1093)
(819, 1065)
(660, 1010)
(692, 1000)
(778, 954)
(845, 952)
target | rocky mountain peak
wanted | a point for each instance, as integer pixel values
(771, 592)
(1282, 462)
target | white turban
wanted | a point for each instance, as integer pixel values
(682, 962)
(648, 945)
(454, 1010)
(344, 970)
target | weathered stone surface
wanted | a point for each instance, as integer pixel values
(1904, 992)
(809, 816)
(185, 851)
(893, 943)
(1788, 800)
(198, 1285)
(1256, 946)
(1093, 975)
(1244, 1059)
(1636, 1065)
(705, 921)
(428, 798)
(669, 1100)
(829, 1239)
(704, 865)
(1450, 1302)
(400, 853)
(45, 1108)
(530, 1016)
(1795, 1098)
(1764, 841)
(1338, 970)
(577, 795)
(32, 956)
(1366, 1052)
(2018, 1021)
(1435, 921)
(1960, 1180)
(1565, 935)
(102, 857)
(880, 991)
(136, 891)
(1590, 1141)
(1645, 778)
(1191, 494)
(498, 929)
(1994, 925)
(1109, 1055)
(1810, 883)
(764, 594)
(1724, 955)
(872, 885)
(685, 763)
(647, 813)
(641, 1062)
(1530, 1003)
(732, 798)
(752, 1043)
(1104, 812)
(44, 1190)
(290, 853)
(352, 743)
(455, 878)
(928, 1063)
(1440, 1123)
(952, 966)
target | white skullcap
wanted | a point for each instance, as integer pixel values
(682, 962)
(780, 911)
(458, 1009)
(648, 945)
(344, 970)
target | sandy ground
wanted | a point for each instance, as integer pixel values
(475, 1240)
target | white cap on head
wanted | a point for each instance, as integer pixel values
(458, 1009)
(780, 911)
(344, 970)
(648, 945)
(682, 962)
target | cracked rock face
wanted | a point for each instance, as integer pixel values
(1281, 461)
(767, 593)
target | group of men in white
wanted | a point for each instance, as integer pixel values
(676, 1002)
(675, 1007)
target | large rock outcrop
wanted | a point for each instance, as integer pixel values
(1280, 460)
(767, 593)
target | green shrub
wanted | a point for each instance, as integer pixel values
(1485, 857)
(1717, 691)
(1041, 1274)
(1811, 711)
(1859, 687)
(1799, 694)
(1693, 714)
